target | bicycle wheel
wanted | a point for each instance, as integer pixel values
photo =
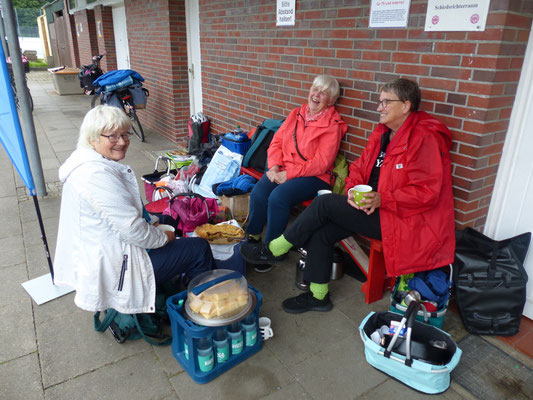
(136, 124)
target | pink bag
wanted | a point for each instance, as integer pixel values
(191, 210)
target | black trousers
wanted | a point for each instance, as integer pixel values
(326, 221)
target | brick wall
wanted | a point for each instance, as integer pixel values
(87, 39)
(106, 38)
(158, 51)
(72, 38)
(253, 70)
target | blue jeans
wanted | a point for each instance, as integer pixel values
(271, 203)
(185, 255)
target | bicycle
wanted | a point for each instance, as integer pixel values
(126, 102)
(26, 65)
(89, 73)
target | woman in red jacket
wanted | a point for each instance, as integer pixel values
(407, 163)
(300, 157)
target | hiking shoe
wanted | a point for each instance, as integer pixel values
(262, 268)
(259, 253)
(306, 302)
(252, 240)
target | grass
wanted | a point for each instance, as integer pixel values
(38, 64)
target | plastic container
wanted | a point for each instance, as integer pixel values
(184, 331)
(249, 327)
(221, 344)
(206, 359)
(240, 147)
(66, 81)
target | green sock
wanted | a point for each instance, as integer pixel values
(256, 237)
(319, 290)
(279, 246)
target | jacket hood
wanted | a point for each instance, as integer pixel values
(77, 158)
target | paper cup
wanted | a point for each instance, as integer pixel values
(164, 227)
(358, 192)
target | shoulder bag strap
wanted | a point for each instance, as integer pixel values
(165, 340)
(295, 141)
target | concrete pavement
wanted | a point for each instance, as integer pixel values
(52, 352)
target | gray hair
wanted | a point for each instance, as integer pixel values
(102, 119)
(406, 90)
(328, 84)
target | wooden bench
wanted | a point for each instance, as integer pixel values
(372, 265)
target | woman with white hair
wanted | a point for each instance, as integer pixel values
(300, 158)
(107, 249)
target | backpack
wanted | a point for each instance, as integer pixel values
(339, 174)
(136, 326)
(256, 156)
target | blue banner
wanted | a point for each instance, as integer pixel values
(10, 131)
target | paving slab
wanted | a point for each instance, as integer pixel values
(12, 250)
(11, 290)
(136, 377)
(17, 331)
(69, 347)
(254, 378)
(21, 379)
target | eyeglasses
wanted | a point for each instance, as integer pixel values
(115, 138)
(385, 102)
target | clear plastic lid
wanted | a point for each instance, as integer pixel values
(219, 295)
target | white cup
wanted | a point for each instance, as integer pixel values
(264, 327)
(164, 227)
(324, 191)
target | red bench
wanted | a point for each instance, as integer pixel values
(372, 265)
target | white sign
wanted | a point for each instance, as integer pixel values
(389, 13)
(457, 15)
(285, 12)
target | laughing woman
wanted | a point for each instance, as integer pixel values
(300, 157)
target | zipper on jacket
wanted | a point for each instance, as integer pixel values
(123, 272)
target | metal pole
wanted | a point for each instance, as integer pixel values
(30, 137)
(3, 34)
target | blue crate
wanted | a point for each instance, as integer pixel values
(237, 147)
(184, 330)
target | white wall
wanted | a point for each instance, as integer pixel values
(31, 43)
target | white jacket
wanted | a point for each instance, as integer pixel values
(102, 237)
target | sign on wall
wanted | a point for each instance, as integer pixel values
(285, 12)
(389, 13)
(457, 15)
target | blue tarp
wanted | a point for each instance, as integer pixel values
(10, 131)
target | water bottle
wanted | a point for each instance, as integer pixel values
(206, 360)
(235, 334)
(185, 346)
(220, 340)
(250, 330)
(239, 133)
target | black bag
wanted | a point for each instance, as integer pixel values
(256, 156)
(490, 282)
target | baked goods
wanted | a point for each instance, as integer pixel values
(223, 300)
(219, 234)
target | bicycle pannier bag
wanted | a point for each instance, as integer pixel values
(490, 282)
(138, 96)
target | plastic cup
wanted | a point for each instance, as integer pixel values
(358, 192)
(265, 329)
(165, 228)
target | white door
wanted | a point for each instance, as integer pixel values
(511, 208)
(121, 36)
(193, 55)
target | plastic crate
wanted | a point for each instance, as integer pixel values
(185, 331)
(237, 147)
(66, 81)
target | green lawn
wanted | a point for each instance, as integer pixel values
(38, 64)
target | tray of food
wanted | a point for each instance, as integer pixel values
(220, 233)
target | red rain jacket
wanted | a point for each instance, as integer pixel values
(319, 144)
(415, 183)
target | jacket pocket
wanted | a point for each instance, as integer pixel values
(123, 272)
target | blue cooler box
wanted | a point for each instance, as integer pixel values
(240, 147)
(186, 332)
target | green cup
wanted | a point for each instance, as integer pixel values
(358, 192)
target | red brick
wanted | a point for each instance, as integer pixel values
(440, 59)
(480, 88)
(411, 69)
(455, 48)
(406, 57)
(486, 62)
(441, 84)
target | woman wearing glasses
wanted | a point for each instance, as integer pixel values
(410, 208)
(107, 250)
